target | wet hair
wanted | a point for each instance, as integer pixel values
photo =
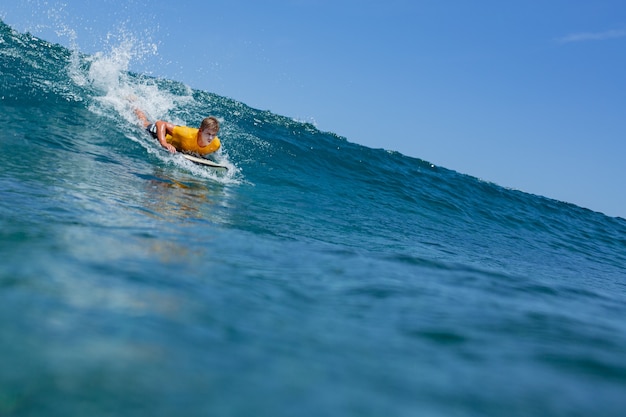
(210, 123)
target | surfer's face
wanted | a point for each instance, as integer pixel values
(208, 135)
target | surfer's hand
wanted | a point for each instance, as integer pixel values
(170, 148)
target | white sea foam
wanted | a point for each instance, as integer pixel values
(108, 80)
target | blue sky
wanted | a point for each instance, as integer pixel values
(527, 94)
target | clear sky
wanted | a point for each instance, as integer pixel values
(528, 94)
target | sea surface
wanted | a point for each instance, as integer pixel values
(317, 277)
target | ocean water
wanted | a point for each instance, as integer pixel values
(317, 277)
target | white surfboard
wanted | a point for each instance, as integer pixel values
(203, 161)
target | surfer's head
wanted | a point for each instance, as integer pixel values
(211, 125)
(208, 131)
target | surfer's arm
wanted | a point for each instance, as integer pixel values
(163, 128)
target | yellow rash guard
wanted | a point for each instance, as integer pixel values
(185, 139)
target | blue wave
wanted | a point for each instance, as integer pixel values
(317, 276)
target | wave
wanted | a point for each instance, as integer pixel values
(339, 184)
(310, 242)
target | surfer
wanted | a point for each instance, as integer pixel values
(182, 138)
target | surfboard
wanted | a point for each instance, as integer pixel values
(203, 161)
